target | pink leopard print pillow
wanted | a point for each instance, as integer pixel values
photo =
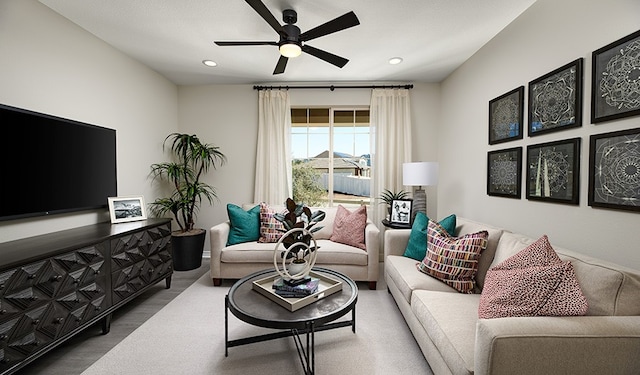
(533, 282)
(348, 227)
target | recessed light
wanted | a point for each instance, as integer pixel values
(395, 60)
(209, 63)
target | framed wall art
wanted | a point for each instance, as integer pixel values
(506, 116)
(615, 80)
(504, 172)
(555, 100)
(124, 209)
(401, 211)
(553, 171)
(614, 170)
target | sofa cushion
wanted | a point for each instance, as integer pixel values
(348, 227)
(270, 229)
(453, 260)
(417, 246)
(404, 274)
(329, 253)
(450, 321)
(533, 282)
(466, 226)
(245, 225)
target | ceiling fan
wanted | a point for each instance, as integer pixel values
(292, 43)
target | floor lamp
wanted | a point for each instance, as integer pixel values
(424, 173)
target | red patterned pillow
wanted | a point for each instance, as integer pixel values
(453, 260)
(533, 282)
(270, 229)
(348, 227)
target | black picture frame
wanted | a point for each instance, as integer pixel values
(555, 99)
(401, 211)
(504, 173)
(614, 170)
(506, 115)
(553, 171)
(612, 97)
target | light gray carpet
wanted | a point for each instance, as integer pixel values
(187, 337)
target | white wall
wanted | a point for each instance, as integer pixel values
(227, 116)
(50, 65)
(548, 35)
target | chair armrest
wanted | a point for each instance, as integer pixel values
(372, 243)
(218, 235)
(558, 345)
(395, 241)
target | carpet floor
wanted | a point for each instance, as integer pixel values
(187, 337)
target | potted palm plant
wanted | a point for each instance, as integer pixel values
(191, 159)
(388, 196)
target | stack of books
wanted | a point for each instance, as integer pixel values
(296, 288)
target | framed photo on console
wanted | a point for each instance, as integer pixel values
(125, 209)
(504, 173)
(614, 170)
(401, 211)
(553, 171)
(614, 94)
(555, 100)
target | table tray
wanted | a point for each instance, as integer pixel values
(327, 287)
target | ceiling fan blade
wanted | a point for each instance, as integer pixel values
(264, 12)
(246, 43)
(326, 56)
(345, 21)
(282, 63)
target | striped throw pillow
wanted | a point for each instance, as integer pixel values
(453, 260)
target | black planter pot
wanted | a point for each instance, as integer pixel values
(187, 251)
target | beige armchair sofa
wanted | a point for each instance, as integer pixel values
(454, 341)
(237, 261)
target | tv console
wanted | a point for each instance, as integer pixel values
(55, 285)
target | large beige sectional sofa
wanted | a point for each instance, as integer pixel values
(239, 260)
(454, 341)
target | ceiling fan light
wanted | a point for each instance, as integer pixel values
(290, 50)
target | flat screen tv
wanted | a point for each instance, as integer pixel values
(52, 165)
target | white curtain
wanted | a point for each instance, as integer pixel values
(273, 159)
(390, 116)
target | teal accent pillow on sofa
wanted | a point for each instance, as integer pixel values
(417, 246)
(245, 225)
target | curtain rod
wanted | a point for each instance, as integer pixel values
(332, 87)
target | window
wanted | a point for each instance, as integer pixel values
(331, 155)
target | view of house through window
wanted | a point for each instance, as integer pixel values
(331, 156)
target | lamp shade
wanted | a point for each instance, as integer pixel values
(423, 173)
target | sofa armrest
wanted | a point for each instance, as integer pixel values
(395, 241)
(218, 235)
(372, 242)
(558, 345)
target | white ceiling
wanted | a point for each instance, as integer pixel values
(172, 37)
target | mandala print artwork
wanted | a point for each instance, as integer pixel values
(552, 172)
(616, 80)
(504, 172)
(505, 116)
(554, 100)
(616, 169)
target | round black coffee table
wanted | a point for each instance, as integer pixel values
(256, 309)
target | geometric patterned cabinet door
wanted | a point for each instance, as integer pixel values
(51, 289)
(138, 260)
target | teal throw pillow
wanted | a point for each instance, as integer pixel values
(417, 246)
(245, 225)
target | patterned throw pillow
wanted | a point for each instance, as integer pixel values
(270, 229)
(533, 282)
(348, 227)
(417, 245)
(453, 260)
(245, 225)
